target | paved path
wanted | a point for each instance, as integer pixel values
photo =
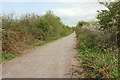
(48, 61)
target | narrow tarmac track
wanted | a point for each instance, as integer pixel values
(48, 61)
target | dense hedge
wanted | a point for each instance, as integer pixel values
(20, 33)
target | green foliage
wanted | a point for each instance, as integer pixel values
(109, 19)
(7, 56)
(20, 34)
(98, 61)
(81, 23)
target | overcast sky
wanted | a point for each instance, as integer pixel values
(70, 11)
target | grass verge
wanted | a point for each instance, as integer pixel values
(7, 56)
(50, 40)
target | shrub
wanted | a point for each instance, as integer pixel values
(20, 33)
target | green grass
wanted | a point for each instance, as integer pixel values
(7, 56)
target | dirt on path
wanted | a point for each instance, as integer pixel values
(48, 61)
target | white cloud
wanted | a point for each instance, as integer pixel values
(72, 16)
(78, 11)
(65, 12)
